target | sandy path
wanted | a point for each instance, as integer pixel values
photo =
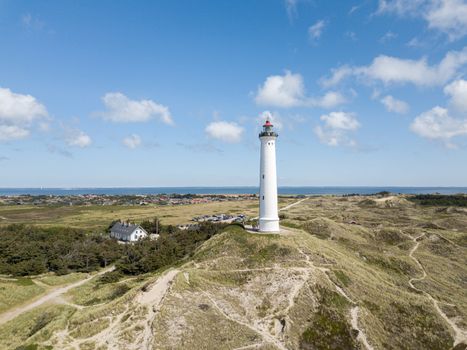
(265, 335)
(361, 335)
(286, 207)
(153, 299)
(54, 295)
(293, 204)
(353, 312)
(460, 335)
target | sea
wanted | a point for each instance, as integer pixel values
(284, 190)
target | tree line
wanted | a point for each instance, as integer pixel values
(30, 250)
(458, 200)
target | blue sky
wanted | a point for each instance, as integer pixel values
(173, 93)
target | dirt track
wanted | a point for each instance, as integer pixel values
(53, 295)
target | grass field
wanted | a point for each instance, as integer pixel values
(99, 217)
(16, 291)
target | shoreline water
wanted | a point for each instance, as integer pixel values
(282, 190)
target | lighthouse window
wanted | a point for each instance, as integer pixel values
(263, 198)
(263, 176)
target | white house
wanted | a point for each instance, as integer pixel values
(127, 232)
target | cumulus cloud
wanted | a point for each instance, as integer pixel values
(337, 75)
(18, 112)
(121, 109)
(329, 100)
(315, 31)
(229, 132)
(394, 105)
(437, 124)
(12, 132)
(336, 129)
(288, 90)
(133, 141)
(446, 16)
(449, 17)
(457, 90)
(78, 138)
(393, 70)
(17, 108)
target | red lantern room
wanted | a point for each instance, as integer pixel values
(267, 129)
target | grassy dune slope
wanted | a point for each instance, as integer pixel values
(339, 277)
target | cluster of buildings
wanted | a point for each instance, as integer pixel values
(129, 200)
(224, 218)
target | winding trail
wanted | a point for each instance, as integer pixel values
(110, 337)
(293, 204)
(265, 335)
(153, 299)
(287, 206)
(460, 335)
(54, 295)
(361, 335)
(353, 312)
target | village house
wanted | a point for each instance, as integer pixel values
(125, 231)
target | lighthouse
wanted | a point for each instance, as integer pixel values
(268, 218)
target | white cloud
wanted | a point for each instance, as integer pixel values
(388, 36)
(78, 138)
(315, 31)
(449, 17)
(337, 75)
(354, 8)
(415, 42)
(457, 90)
(18, 112)
(225, 131)
(121, 109)
(394, 105)
(396, 70)
(288, 90)
(133, 141)
(446, 16)
(20, 109)
(31, 22)
(336, 129)
(329, 100)
(291, 8)
(391, 70)
(340, 120)
(12, 132)
(437, 124)
(400, 7)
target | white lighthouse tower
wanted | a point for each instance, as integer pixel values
(268, 218)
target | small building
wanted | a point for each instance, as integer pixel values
(127, 232)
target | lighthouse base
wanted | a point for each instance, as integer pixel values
(269, 225)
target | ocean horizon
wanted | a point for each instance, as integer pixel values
(282, 190)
